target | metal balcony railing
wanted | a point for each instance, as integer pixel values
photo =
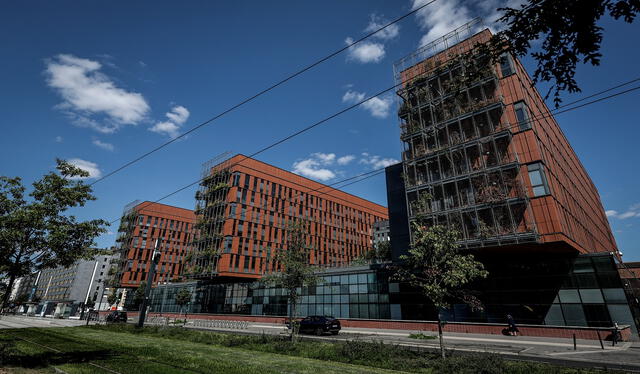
(413, 128)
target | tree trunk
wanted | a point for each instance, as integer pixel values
(292, 314)
(7, 293)
(185, 315)
(440, 335)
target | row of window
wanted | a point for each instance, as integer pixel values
(275, 190)
(278, 206)
(163, 223)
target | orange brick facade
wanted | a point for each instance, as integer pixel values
(569, 214)
(243, 209)
(140, 227)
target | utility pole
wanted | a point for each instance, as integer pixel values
(147, 290)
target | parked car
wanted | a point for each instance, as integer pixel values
(117, 316)
(320, 325)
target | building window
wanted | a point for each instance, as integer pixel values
(538, 179)
(506, 65)
(522, 115)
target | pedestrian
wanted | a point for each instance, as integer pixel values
(513, 329)
(616, 333)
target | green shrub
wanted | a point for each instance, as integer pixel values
(486, 363)
(372, 354)
(422, 336)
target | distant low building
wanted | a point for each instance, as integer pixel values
(71, 287)
(381, 232)
(24, 288)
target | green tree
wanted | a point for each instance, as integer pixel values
(297, 271)
(90, 303)
(138, 296)
(435, 267)
(381, 252)
(569, 31)
(112, 298)
(183, 297)
(36, 231)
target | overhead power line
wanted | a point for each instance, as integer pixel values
(301, 131)
(331, 187)
(260, 93)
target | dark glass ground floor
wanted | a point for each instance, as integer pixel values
(565, 290)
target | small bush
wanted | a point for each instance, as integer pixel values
(421, 336)
(372, 354)
(470, 364)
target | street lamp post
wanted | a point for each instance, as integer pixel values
(147, 290)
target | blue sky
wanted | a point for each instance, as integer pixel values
(102, 82)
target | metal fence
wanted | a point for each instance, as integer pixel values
(198, 323)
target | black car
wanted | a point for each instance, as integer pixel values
(117, 316)
(319, 325)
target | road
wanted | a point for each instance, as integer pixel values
(18, 322)
(588, 353)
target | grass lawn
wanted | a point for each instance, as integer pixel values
(125, 349)
(128, 353)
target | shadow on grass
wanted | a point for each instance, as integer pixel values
(10, 356)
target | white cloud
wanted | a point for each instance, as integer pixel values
(58, 139)
(443, 16)
(344, 160)
(167, 128)
(369, 50)
(632, 211)
(365, 51)
(352, 97)
(611, 213)
(87, 93)
(388, 33)
(378, 107)
(440, 17)
(103, 145)
(177, 116)
(311, 168)
(318, 163)
(325, 158)
(91, 167)
(375, 161)
(629, 214)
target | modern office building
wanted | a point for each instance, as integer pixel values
(345, 292)
(630, 275)
(24, 288)
(381, 231)
(483, 154)
(64, 289)
(244, 206)
(144, 223)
